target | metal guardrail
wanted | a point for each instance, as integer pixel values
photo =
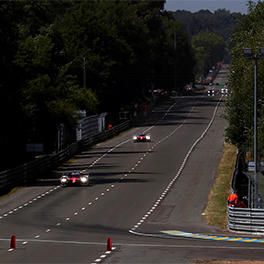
(246, 220)
(24, 174)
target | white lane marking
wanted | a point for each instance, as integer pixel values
(24, 243)
(58, 224)
(67, 219)
(37, 236)
(48, 230)
(83, 208)
(136, 244)
(11, 249)
(188, 153)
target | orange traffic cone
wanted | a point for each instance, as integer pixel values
(109, 244)
(13, 242)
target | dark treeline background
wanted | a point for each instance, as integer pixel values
(210, 34)
(58, 57)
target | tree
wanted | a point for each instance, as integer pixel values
(240, 104)
(209, 49)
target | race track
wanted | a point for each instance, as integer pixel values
(137, 191)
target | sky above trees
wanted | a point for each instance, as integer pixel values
(212, 5)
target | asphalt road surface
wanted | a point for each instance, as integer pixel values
(137, 191)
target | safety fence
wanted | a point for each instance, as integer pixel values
(28, 172)
(246, 220)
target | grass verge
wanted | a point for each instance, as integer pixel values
(215, 211)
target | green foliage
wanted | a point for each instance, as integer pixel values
(122, 49)
(209, 49)
(210, 35)
(240, 104)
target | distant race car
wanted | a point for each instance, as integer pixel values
(211, 92)
(224, 91)
(74, 178)
(142, 137)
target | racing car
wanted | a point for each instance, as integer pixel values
(74, 178)
(224, 91)
(211, 92)
(142, 137)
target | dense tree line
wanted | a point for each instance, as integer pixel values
(58, 57)
(240, 106)
(210, 35)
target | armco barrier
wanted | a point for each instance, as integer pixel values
(28, 172)
(246, 220)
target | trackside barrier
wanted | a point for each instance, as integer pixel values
(246, 220)
(28, 172)
(243, 220)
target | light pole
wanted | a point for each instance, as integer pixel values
(84, 72)
(248, 54)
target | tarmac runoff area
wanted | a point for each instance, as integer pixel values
(211, 237)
